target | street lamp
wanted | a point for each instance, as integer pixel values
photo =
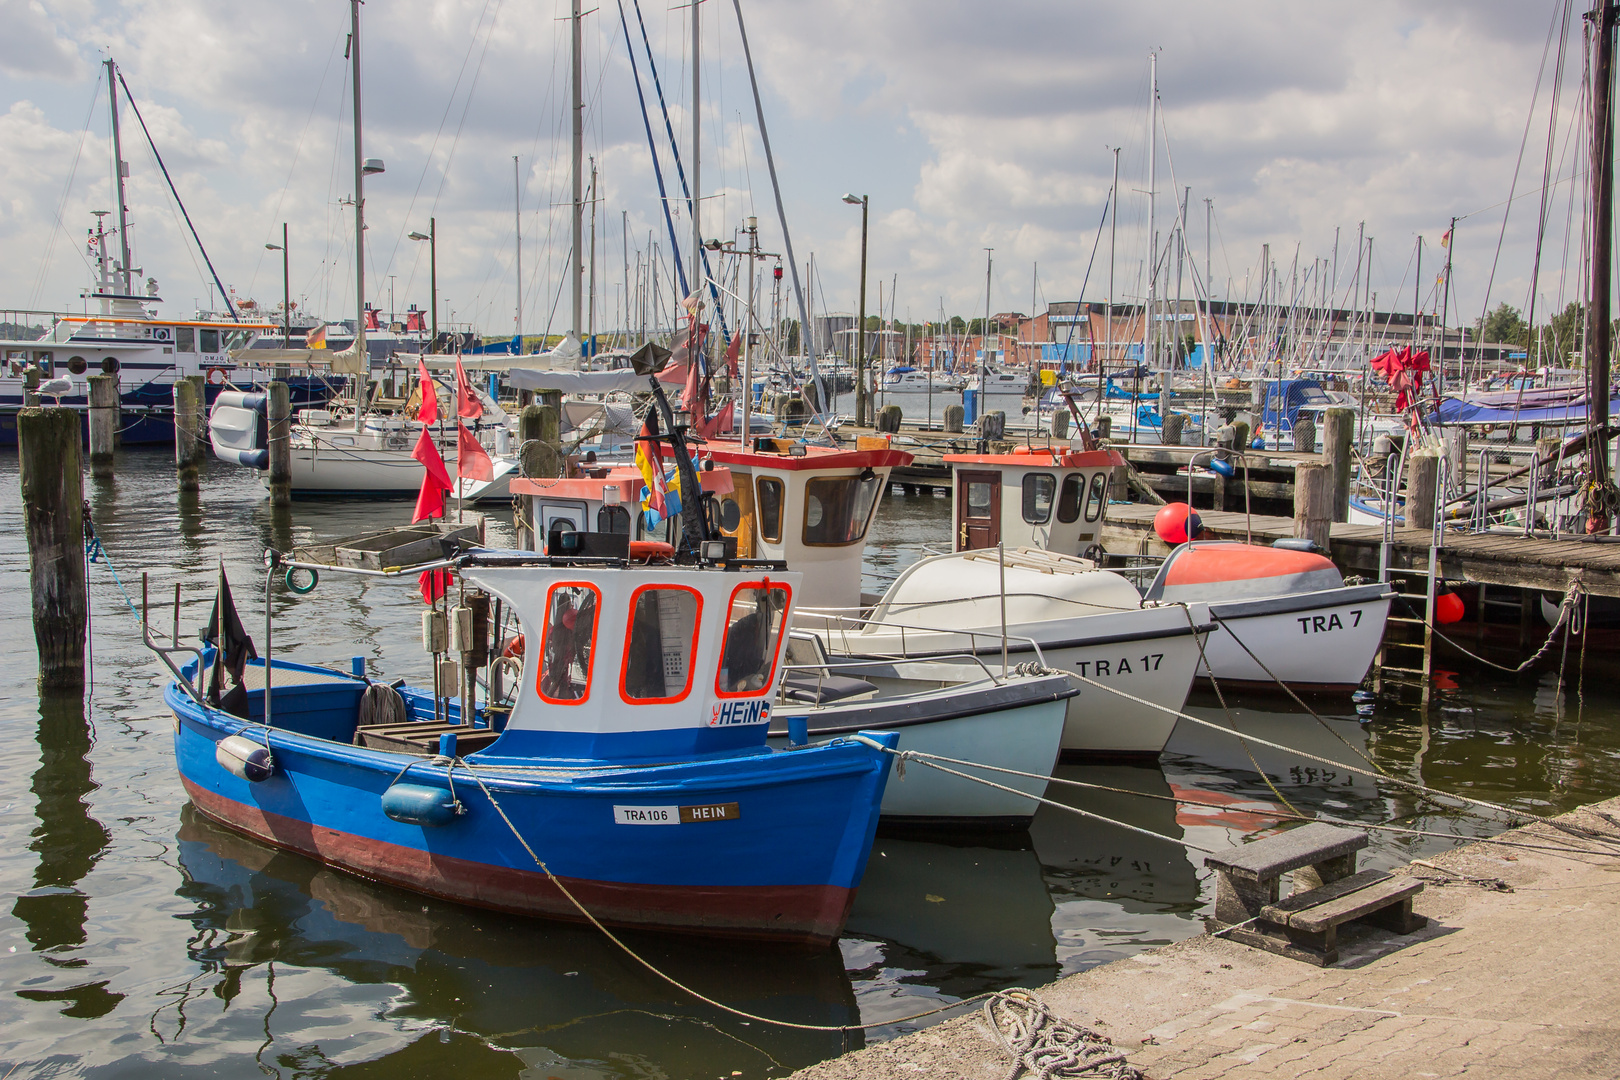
(286, 289)
(433, 269)
(860, 360)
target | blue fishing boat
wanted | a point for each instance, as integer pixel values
(622, 776)
(633, 783)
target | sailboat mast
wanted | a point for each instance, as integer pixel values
(697, 167)
(120, 171)
(1150, 266)
(576, 257)
(517, 223)
(359, 223)
(1597, 308)
(1113, 233)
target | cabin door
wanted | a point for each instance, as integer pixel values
(978, 510)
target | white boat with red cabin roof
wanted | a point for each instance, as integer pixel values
(811, 507)
(1286, 611)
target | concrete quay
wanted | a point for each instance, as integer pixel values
(1503, 984)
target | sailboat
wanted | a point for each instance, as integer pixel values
(342, 448)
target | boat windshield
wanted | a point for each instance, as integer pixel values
(662, 640)
(837, 508)
(570, 637)
(753, 635)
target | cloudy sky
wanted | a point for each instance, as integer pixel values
(970, 125)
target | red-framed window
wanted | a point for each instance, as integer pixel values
(568, 643)
(660, 644)
(755, 618)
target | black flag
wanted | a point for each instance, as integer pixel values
(226, 633)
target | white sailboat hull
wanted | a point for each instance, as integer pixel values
(330, 470)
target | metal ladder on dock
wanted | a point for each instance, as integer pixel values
(1424, 646)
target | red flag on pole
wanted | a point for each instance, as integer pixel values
(467, 403)
(472, 462)
(435, 479)
(434, 584)
(429, 412)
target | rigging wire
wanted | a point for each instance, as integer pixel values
(61, 205)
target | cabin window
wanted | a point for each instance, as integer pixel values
(980, 494)
(1097, 497)
(570, 637)
(753, 638)
(1074, 485)
(185, 338)
(837, 508)
(208, 340)
(660, 645)
(1038, 491)
(770, 509)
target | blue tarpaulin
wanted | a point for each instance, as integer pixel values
(1518, 407)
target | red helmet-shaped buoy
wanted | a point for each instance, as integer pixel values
(1448, 608)
(1177, 523)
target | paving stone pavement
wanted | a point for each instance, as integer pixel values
(1517, 984)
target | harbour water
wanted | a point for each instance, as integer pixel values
(138, 939)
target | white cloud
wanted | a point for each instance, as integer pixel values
(31, 47)
(970, 125)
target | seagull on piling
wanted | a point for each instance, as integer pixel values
(55, 388)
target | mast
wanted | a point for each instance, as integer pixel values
(1599, 508)
(517, 222)
(1150, 266)
(1113, 233)
(577, 253)
(697, 166)
(590, 315)
(359, 345)
(120, 171)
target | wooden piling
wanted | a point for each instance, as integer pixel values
(52, 484)
(1422, 480)
(1313, 503)
(199, 411)
(1170, 433)
(539, 437)
(103, 423)
(279, 417)
(1060, 424)
(1338, 437)
(187, 459)
(954, 418)
(1105, 426)
(31, 378)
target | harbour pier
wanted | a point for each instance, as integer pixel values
(1514, 975)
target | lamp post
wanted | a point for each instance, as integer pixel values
(286, 289)
(860, 359)
(432, 239)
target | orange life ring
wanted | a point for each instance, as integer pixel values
(514, 648)
(216, 376)
(648, 550)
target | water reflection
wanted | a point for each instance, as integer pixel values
(958, 917)
(515, 984)
(68, 843)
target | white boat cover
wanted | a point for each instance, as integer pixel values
(963, 590)
(576, 382)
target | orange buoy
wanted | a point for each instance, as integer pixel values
(1448, 608)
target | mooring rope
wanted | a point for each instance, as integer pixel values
(670, 979)
(1048, 1046)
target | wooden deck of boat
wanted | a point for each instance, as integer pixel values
(1492, 558)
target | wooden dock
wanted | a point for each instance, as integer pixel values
(1489, 558)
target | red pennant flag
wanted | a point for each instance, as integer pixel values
(731, 353)
(434, 584)
(472, 462)
(467, 403)
(429, 412)
(435, 479)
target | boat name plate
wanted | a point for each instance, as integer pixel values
(675, 815)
